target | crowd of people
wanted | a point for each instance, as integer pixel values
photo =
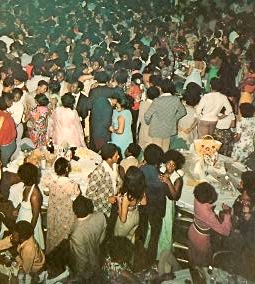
(134, 81)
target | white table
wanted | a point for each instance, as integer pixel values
(79, 173)
(216, 177)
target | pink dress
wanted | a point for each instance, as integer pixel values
(200, 251)
(65, 127)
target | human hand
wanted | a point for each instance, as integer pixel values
(111, 129)
(226, 209)
(15, 212)
(164, 178)
(112, 199)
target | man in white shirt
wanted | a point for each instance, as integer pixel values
(209, 108)
(32, 83)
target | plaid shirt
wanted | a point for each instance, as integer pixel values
(163, 115)
(100, 187)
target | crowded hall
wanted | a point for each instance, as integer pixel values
(127, 135)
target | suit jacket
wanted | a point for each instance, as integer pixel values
(98, 92)
(163, 115)
(101, 119)
(86, 236)
(82, 108)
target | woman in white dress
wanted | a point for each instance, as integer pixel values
(30, 206)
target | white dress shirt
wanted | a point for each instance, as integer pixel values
(210, 106)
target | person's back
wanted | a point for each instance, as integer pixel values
(156, 191)
(163, 111)
(86, 235)
(101, 118)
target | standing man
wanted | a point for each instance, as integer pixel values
(87, 234)
(209, 108)
(101, 120)
(163, 115)
(81, 101)
(104, 184)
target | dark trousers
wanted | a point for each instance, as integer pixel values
(135, 114)
(155, 222)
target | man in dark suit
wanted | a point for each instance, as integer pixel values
(81, 101)
(101, 90)
(101, 120)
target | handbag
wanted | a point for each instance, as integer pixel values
(207, 145)
(207, 148)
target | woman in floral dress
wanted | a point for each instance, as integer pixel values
(245, 133)
(37, 121)
(62, 192)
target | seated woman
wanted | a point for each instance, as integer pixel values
(62, 191)
(134, 194)
(65, 125)
(205, 220)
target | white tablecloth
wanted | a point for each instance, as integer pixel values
(216, 177)
(79, 173)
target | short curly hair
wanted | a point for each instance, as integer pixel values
(205, 193)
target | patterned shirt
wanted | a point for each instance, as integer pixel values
(100, 188)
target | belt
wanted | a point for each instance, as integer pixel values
(202, 231)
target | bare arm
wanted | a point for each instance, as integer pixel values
(36, 203)
(123, 209)
(173, 189)
(121, 126)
